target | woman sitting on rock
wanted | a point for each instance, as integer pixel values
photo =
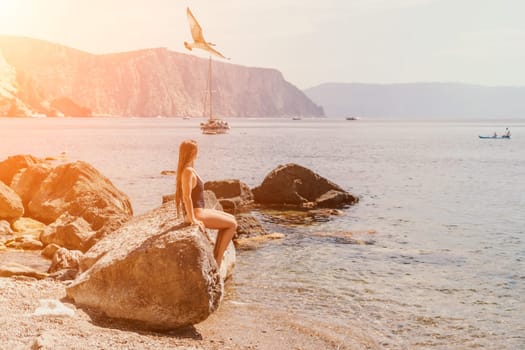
(189, 195)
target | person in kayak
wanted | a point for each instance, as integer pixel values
(507, 133)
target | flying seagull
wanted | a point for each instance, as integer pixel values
(198, 39)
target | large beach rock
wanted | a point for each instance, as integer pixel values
(295, 185)
(233, 194)
(13, 164)
(11, 206)
(154, 270)
(76, 193)
(26, 182)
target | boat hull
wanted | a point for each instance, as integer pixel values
(215, 127)
(494, 137)
(213, 131)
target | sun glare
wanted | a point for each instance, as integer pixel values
(9, 14)
(9, 6)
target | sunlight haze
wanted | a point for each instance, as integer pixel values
(310, 42)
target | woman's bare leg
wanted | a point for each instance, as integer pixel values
(224, 222)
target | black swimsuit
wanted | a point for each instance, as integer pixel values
(197, 194)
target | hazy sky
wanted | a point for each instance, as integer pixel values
(310, 42)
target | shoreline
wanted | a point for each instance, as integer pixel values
(234, 325)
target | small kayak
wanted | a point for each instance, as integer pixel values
(494, 137)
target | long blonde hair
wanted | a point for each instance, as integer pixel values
(187, 151)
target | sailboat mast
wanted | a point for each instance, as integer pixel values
(209, 84)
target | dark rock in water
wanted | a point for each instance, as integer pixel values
(13, 164)
(346, 237)
(233, 195)
(154, 270)
(298, 217)
(230, 205)
(248, 226)
(295, 185)
(322, 215)
(251, 234)
(334, 199)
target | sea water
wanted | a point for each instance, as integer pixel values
(440, 220)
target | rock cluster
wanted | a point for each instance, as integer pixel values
(152, 270)
(70, 205)
(287, 187)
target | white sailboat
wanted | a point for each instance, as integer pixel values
(213, 125)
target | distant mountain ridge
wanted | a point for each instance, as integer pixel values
(148, 83)
(419, 100)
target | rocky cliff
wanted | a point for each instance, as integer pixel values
(151, 82)
(17, 94)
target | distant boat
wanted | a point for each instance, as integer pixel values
(213, 125)
(296, 118)
(494, 137)
(186, 118)
(352, 118)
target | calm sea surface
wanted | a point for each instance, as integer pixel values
(442, 211)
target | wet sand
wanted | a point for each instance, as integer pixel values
(234, 326)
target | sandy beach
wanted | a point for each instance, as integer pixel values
(234, 326)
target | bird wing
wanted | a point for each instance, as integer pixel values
(195, 28)
(213, 51)
(198, 38)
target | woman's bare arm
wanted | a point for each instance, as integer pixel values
(188, 179)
